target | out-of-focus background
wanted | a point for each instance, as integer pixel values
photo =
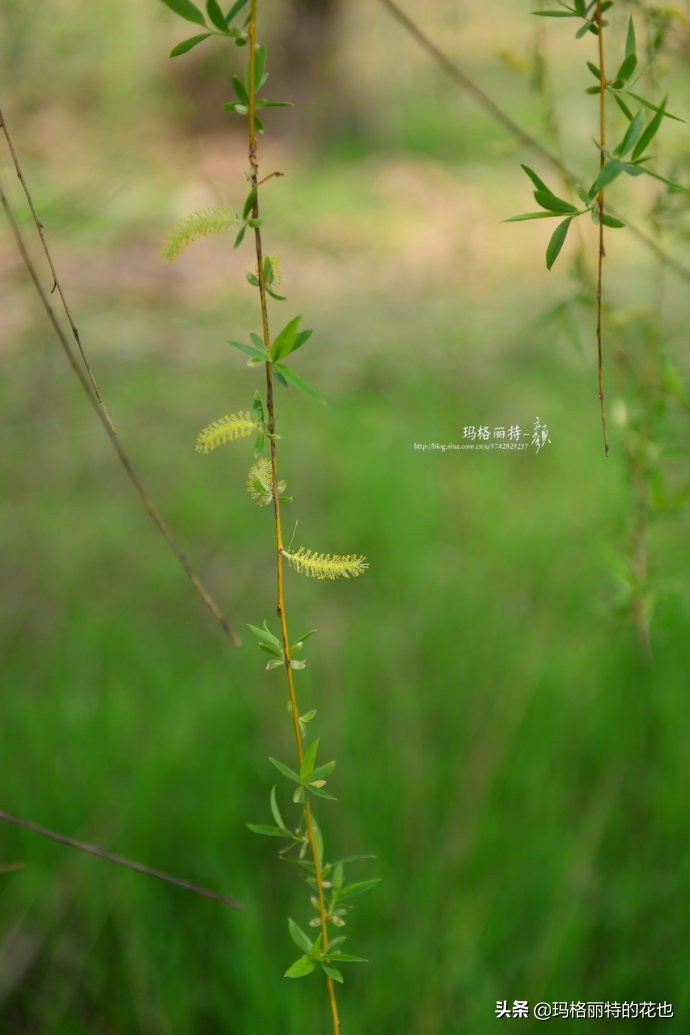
(504, 749)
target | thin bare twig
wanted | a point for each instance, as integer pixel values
(90, 385)
(81, 846)
(462, 80)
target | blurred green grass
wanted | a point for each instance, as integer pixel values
(502, 747)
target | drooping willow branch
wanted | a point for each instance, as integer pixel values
(602, 250)
(280, 546)
(120, 860)
(461, 79)
(90, 385)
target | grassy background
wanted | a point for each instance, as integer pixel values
(503, 749)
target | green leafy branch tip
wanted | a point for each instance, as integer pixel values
(199, 224)
(226, 429)
(326, 565)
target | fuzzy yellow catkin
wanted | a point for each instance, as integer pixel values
(226, 429)
(326, 565)
(199, 224)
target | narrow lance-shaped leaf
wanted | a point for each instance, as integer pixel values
(539, 184)
(186, 9)
(608, 173)
(557, 241)
(552, 203)
(301, 940)
(650, 132)
(289, 375)
(632, 135)
(186, 45)
(628, 66)
(630, 43)
(235, 10)
(216, 15)
(282, 345)
(300, 968)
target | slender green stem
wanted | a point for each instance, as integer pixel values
(602, 250)
(280, 546)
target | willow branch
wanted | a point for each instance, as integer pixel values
(602, 250)
(119, 860)
(280, 546)
(90, 385)
(464, 82)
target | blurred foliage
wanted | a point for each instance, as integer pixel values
(517, 768)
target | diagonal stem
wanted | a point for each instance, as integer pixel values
(90, 385)
(280, 546)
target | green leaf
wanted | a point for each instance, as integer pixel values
(307, 766)
(359, 888)
(321, 771)
(259, 442)
(187, 10)
(554, 14)
(294, 379)
(300, 968)
(539, 184)
(345, 957)
(251, 350)
(285, 770)
(239, 89)
(268, 831)
(280, 379)
(622, 105)
(628, 66)
(653, 107)
(630, 43)
(216, 15)
(332, 972)
(581, 8)
(235, 10)
(549, 201)
(557, 241)
(249, 203)
(275, 811)
(187, 44)
(260, 76)
(669, 183)
(264, 635)
(240, 236)
(301, 940)
(650, 132)
(632, 135)
(258, 403)
(529, 215)
(607, 174)
(611, 221)
(268, 648)
(320, 793)
(274, 294)
(284, 341)
(258, 341)
(594, 70)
